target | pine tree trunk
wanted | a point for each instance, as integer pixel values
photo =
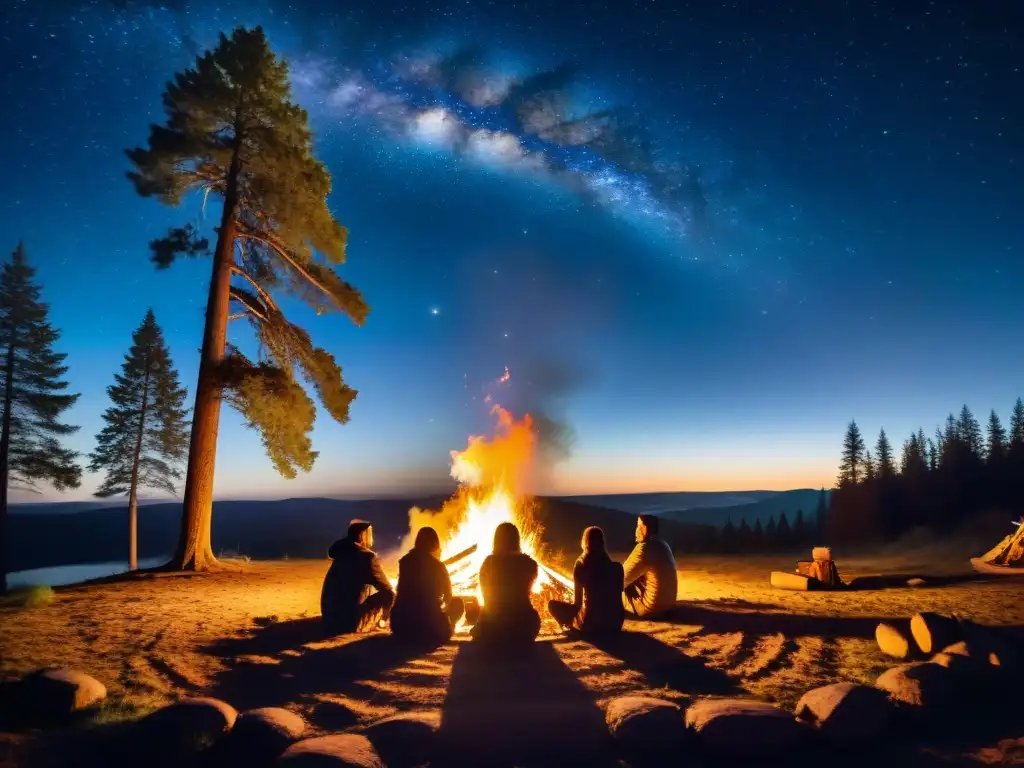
(5, 444)
(195, 552)
(133, 493)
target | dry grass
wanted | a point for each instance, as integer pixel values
(251, 637)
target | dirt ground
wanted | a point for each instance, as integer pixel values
(251, 637)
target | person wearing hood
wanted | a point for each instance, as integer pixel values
(356, 595)
(425, 612)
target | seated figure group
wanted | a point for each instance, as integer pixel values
(358, 597)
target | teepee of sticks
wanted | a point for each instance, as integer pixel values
(1008, 553)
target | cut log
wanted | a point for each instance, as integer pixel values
(894, 641)
(933, 631)
(784, 580)
(463, 554)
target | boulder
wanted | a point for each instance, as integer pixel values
(894, 640)
(56, 693)
(644, 726)
(846, 712)
(743, 728)
(921, 684)
(189, 725)
(341, 749)
(917, 582)
(264, 733)
(934, 631)
(406, 739)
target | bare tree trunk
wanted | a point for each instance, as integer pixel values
(133, 492)
(194, 551)
(5, 444)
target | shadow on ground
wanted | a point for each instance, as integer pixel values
(663, 665)
(519, 708)
(294, 662)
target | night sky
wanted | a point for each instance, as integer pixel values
(851, 247)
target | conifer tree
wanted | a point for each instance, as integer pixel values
(744, 535)
(34, 395)
(884, 466)
(969, 434)
(232, 130)
(869, 467)
(995, 448)
(771, 530)
(1015, 440)
(799, 527)
(783, 534)
(758, 536)
(852, 464)
(145, 437)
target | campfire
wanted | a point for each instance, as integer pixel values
(493, 476)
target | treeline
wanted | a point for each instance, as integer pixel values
(233, 133)
(937, 482)
(776, 535)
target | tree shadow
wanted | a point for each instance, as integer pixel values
(519, 707)
(662, 664)
(283, 668)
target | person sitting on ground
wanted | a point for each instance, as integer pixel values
(597, 585)
(425, 612)
(650, 572)
(506, 580)
(356, 595)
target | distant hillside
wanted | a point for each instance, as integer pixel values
(672, 501)
(782, 501)
(290, 527)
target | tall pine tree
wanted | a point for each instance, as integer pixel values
(232, 130)
(145, 437)
(1015, 440)
(995, 448)
(969, 432)
(884, 466)
(852, 464)
(34, 395)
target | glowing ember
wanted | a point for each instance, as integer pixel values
(493, 477)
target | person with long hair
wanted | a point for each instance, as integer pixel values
(425, 612)
(597, 587)
(506, 580)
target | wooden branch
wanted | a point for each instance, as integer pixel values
(283, 253)
(267, 299)
(240, 315)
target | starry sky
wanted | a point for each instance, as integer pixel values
(701, 236)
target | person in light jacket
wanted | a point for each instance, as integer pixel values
(356, 595)
(650, 580)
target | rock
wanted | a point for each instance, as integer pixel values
(743, 728)
(644, 726)
(916, 582)
(189, 725)
(934, 631)
(264, 733)
(56, 693)
(406, 739)
(350, 749)
(846, 712)
(1005, 654)
(894, 641)
(921, 684)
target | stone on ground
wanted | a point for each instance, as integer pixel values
(351, 749)
(56, 693)
(644, 725)
(265, 733)
(189, 725)
(406, 739)
(846, 712)
(934, 631)
(743, 728)
(894, 640)
(916, 582)
(921, 684)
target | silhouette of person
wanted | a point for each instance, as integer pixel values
(597, 588)
(506, 580)
(650, 576)
(425, 611)
(356, 595)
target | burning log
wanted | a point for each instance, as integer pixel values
(461, 556)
